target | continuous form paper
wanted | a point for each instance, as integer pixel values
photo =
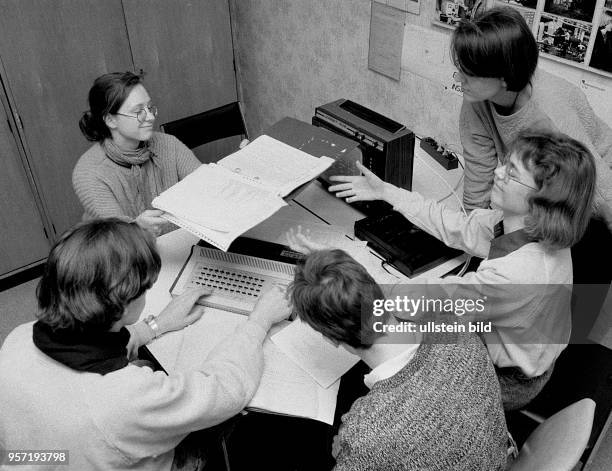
(274, 165)
(219, 202)
(216, 205)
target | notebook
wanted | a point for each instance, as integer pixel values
(218, 202)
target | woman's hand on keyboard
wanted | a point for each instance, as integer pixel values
(182, 310)
(272, 307)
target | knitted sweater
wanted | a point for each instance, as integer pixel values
(442, 411)
(96, 178)
(555, 104)
(130, 419)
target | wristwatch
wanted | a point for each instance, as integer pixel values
(151, 321)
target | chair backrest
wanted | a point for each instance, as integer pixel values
(201, 128)
(558, 443)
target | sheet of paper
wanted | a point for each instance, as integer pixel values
(316, 355)
(275, 165)
(216, 205)
(285, 388)
(386, 40)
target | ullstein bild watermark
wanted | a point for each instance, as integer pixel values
(412, 307)
(525, 314)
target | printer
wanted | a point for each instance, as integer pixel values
(387, 147)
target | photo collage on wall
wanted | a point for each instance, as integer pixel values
(601, 57)
(453, 11)
(572, 30)
(525, 7)
(565, 28)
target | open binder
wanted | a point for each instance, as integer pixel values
(218, 202)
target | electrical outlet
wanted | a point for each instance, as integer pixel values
(443, 156)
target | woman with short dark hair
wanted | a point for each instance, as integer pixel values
(72, 380)
(504, 93)
(129, 164)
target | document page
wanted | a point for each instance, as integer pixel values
(284, 388)
(217, 205)
(275, 165)
(316, 355)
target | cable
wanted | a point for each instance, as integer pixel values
(453, 192)
(447, 184)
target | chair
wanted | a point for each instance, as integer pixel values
(558, 443)
(218, 123)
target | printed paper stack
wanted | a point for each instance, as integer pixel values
(219, 202)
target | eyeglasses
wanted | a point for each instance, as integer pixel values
(507, 177)
(141, 115)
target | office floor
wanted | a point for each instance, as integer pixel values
(17, 305)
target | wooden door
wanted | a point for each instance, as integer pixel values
(22, 238)
(185, 49)
(52, 51)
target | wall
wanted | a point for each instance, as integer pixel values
(293, 55)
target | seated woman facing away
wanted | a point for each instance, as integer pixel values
(69, 382)
(543, 194)
(129, 164)
(434, 401)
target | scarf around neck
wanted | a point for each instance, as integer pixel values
(144, 181)
(94, 352)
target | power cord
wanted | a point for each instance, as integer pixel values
(453, 191)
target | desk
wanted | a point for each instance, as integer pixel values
(313, 205)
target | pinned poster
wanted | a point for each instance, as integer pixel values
(386, 40)
(411, 6)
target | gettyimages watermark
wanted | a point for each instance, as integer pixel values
(499, 313)
(422, 308)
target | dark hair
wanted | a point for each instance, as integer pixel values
(334, 295)
(106, 96)
(498, 43)
(564, 172)
(93, 272)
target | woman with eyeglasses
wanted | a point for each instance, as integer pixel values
(504, 92)
(129, 164)
(543, 196)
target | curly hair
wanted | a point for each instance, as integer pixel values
(93, 272)
(334, 295)
(564, 172)
(498, 43)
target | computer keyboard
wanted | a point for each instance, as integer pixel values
(237, 280)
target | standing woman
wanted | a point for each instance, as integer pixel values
(504, 93)
(129, 164)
